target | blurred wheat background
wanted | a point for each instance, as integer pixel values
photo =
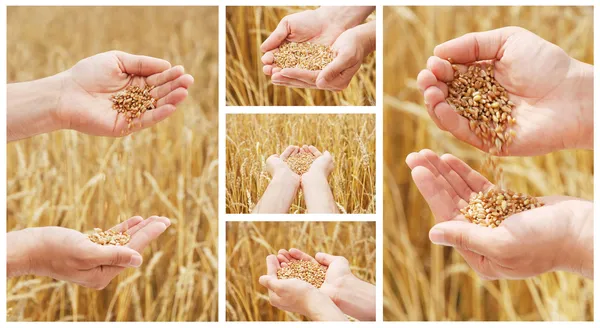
(81, 182)
(249, 243)
(247, 28)
(350, 138)
(426, 282)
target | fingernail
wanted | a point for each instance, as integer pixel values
(437, 237)
(135, 261)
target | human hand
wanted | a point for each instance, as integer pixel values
(545, 84)
(323, 164)
(556, 236)
(350, 49)
(298, 296)
(67, 254)
(277, 167)
(84, 103)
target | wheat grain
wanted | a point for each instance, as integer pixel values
(308, 271)
(133, 102)
(109, 237)
(303, 55)
(300, 163)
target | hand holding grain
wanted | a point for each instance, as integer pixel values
(557, 236)
(85, 100)
(544, 83)
(66, 254)
(298, 296)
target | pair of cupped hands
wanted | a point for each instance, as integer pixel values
(321, 167)
(547, 87)
(350, 42)
(82, 102)
(295, 295)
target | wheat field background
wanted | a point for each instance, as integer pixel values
(81, 182)
(247, 28)
(426, 282)
(249, 243)
(350, 138)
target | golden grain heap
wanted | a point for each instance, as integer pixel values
(490, 208)
(477, 96)
(133, 102)
(303, 55)
(109, 237)
(311, 272)
(300, 162)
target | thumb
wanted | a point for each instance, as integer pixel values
(476, 46)
(269, 282)
(277, 36)
(465, 235)
(324, 258)
(120, 256)
(334, 69)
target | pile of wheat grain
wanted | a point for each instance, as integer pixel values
(300, 163)
(308, 271)
(303, 55)
(109, 237)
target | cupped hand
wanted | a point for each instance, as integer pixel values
(292, 295)
(544, 83)
(69, 255)
(277, 167)
(524, 245)
(337, 269)
(323, 164)
(350, 51)
(84, 104)
(306, 26)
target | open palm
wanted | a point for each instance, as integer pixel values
(87, 87)
(525, 244)
(544, 83)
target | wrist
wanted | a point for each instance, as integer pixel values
(345, 16)
(578, 255)
(314, 177)
(366, 36)
(320, 307)
(286, 177)
(20, 254)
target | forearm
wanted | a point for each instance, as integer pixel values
(346, 16)
(31, 107)
(19, 248)
(356, 298)
(278, 196)
(317, 194)
(322, 308)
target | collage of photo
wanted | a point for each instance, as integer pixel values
(335, 163)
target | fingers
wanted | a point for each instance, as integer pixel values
(270, 283)
(474, 180)
(441, 68)
(326, 259)
(333, 70)
(300, 255)
(272, 265)
(119, 256)
(183, 81)
(173, 98)
(141, 65)
(277, 36)
(306, 76)
(269, 57)
(438, 199)
(424, 158)
(144, 236)
(289, 151)
(166, 76)
(456, 124)
(127, 224)
(314, 151)
(468, 236)
(151, 117)
(456, 182)
(284, 256)
(476, 46)
(340, 82)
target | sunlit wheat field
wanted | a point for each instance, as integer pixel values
(350, 138)
(247, 28)
(81, 182)
(249, 243)
(426, 282)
